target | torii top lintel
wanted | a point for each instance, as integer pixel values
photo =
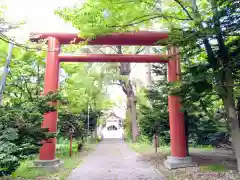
(147, 38)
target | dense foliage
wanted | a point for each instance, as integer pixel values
(22, 111)
(202, 125)
(77, 124)
(21, 133)
(84, 87)
(154, 116)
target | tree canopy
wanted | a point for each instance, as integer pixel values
(207, 33)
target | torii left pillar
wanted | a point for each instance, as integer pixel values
(47, 158)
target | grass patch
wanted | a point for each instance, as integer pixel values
(141, 147)
(202, 148)
(24, 172)
(148, 148)
(212, 168)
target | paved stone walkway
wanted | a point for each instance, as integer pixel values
(114, 160)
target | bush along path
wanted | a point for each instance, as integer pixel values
(113, 159)
(24, 172)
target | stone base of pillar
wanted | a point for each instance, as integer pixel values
(177, 162)
(48, 165)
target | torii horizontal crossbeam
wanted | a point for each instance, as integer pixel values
(114, 58)
(147, 38)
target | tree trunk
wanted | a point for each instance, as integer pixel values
(231, 111)
(234, 126)
(133, 111)
(125, 70)
(94, 133)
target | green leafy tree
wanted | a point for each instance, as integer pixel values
(25, 78)
(203, 117)
(76, 125)
(207, 33)
(154, 116)
(85, 86)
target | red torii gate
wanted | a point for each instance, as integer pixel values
(179, 156)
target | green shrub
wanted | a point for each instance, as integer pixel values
(63, 147)
(144, 139)
(21, 133)
(99, 138)
(162, 142)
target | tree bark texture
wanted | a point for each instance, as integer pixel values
(231, 111)
(125, 70)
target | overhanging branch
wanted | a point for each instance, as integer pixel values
(132, 22)
(184, 9)
(140, 50)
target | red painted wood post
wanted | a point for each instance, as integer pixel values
(155, 142)
(70, 148)
(176, 118)
(47, 151)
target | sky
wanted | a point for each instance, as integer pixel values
(39, 17)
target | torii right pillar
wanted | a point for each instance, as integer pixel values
(179, 154)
